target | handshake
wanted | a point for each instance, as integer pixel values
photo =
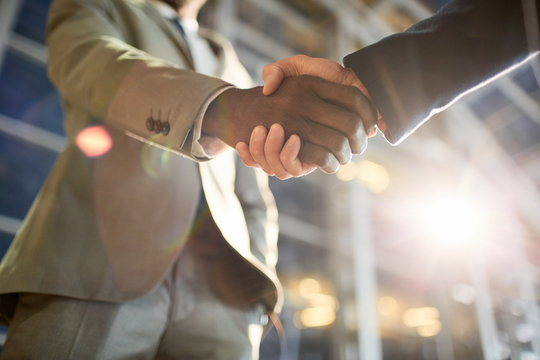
(311, 113)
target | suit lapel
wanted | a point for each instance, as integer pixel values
(172, 32)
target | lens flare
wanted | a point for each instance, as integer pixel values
(454, 221)
(94, 141)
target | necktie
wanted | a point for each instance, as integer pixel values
(185, 43)
(203, 57)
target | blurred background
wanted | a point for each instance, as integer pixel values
(428, 250)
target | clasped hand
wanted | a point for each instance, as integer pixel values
(309, 135)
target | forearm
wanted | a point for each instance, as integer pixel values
(414, 74)
(225, 115)
(102, 77)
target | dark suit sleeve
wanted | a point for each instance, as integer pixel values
(417, 73)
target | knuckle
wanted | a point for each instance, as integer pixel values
(282, 176)
(363, 145)
(295, 172)
(325, 160)
(355, 125)
(341, 150)
(354, 94)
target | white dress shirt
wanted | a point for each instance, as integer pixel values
(205, 62)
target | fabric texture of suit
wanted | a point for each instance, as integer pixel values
(414, 74)
(109, 228)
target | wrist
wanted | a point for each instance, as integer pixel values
(230, 117)
(219, 115)
(355, 81)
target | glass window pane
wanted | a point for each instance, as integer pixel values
(27, 94)
(23, 169)
(519, 134)
(490, 103)
(33, 19)
(526, 78)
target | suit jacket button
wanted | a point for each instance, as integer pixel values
(165, 128)
(150, 124)
(158, 125)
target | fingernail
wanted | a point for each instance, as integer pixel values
(274, 131)
(292, 142)
(259, 132)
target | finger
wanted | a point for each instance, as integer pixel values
(272, 148)
(334, 141)
(347, 123)
(256, 148)
(273, 74)
(356, 103)
(243, 152)
(318, 156)
(289, 158)
(305, 65)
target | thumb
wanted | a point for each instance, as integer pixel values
(272, 76)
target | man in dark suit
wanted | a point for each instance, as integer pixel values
(412, 75)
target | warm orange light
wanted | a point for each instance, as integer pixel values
(374, 176)
(456, 221)
(94, 141)
(423, 316)
(387, 305)
(430, 329)
(314, 317)
(309, 287)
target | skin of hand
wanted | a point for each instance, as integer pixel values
(273, 156)
(284, 166)
(327, 117)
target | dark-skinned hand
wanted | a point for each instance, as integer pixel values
(325, 115)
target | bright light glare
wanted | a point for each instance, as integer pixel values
(527, 355)
(453, 221)
(94, 141)
(429, 330)
(315, 317)
(424, 316)
(524, 333)
(309, 287)
(372, 175)
(387, 305)
(463, 293)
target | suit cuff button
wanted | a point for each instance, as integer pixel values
(165, 128)
(150, 124)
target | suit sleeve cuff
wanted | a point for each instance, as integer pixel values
(198, 150)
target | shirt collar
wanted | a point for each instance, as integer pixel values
(165, 10)
(189, 25)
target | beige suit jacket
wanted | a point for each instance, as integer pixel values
(109, 228)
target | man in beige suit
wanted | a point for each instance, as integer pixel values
(119, 257)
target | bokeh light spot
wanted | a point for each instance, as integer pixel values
(314, 317)
(387, 305)
(94, 141)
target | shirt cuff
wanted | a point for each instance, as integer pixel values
(197, 149)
